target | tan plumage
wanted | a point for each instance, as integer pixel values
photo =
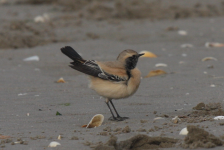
(113, 79)
(114, 90)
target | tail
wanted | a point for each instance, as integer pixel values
(71, 53)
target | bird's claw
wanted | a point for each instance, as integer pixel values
(118, 118)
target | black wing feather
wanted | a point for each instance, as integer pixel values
(89, 67)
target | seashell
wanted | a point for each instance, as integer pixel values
(96, 121)
(209, 58)
(161, 65)
(212, 85)
(219, 118)
(213, 44)
(182, 32)
(158, 118)
(39, 19)
(54, 144)
(59, 137)
(21, 94)
(4, 137)
(186, 46)
(155, 73)
(176, 119)
(184, 131)
(148, 54)
(61, 80)
(45, 17)
(32, 58)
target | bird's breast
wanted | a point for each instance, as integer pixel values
(116, 90)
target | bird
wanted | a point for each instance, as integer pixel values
(110, 79)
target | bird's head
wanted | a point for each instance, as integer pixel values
(129, 58)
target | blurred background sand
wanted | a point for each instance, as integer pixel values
(100, 30)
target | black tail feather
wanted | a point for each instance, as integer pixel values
(71, 53)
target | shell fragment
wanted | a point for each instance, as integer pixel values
(219, 118)
(148, 54)
(32, 58)
(184, 131)
(161, 65)
(213, 44)
(54, 144)
(96, 121)
(61, 80)
(209, 58)
(155, 73)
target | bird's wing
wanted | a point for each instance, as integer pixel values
(91, 67)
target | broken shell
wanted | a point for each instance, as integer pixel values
(182, 32)
(155, 73)
(148, 54)
(186, 46)
(219, 118)
(54, 144)
(212, 85)
(45, 17)
(4, 137)
(61, 80)
(209, 58)
(184, 131)
(158, 118)
(32, 58)
(176, 119)
(59, 137)
(161, 65)
(96, 121)
(39, 19)
(214, 44)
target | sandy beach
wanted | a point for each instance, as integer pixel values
(176, 32)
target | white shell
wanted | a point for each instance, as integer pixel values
(39, 19)
(59, 137)
(182, 32)
(184, 131)
(186, 46)
(54, 144)
(45, 17)
(176, 117)
(161, 65)
(212, 85)
(219, 118)
(32, 58)
(21, 94)
(157, 118)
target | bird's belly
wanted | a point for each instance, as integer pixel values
(112, 90)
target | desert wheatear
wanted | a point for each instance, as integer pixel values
(112, 79)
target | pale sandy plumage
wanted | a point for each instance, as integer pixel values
(114, 90)
(113, 79)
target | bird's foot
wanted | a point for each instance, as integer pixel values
(122, 118)
(118, 118)
(113, 118)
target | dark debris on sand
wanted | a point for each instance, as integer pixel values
(204, 112)
(138, 142)
(198, 137)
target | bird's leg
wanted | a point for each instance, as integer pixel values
(113, 118)
(119, 118)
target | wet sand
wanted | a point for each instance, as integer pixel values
(31, 88)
